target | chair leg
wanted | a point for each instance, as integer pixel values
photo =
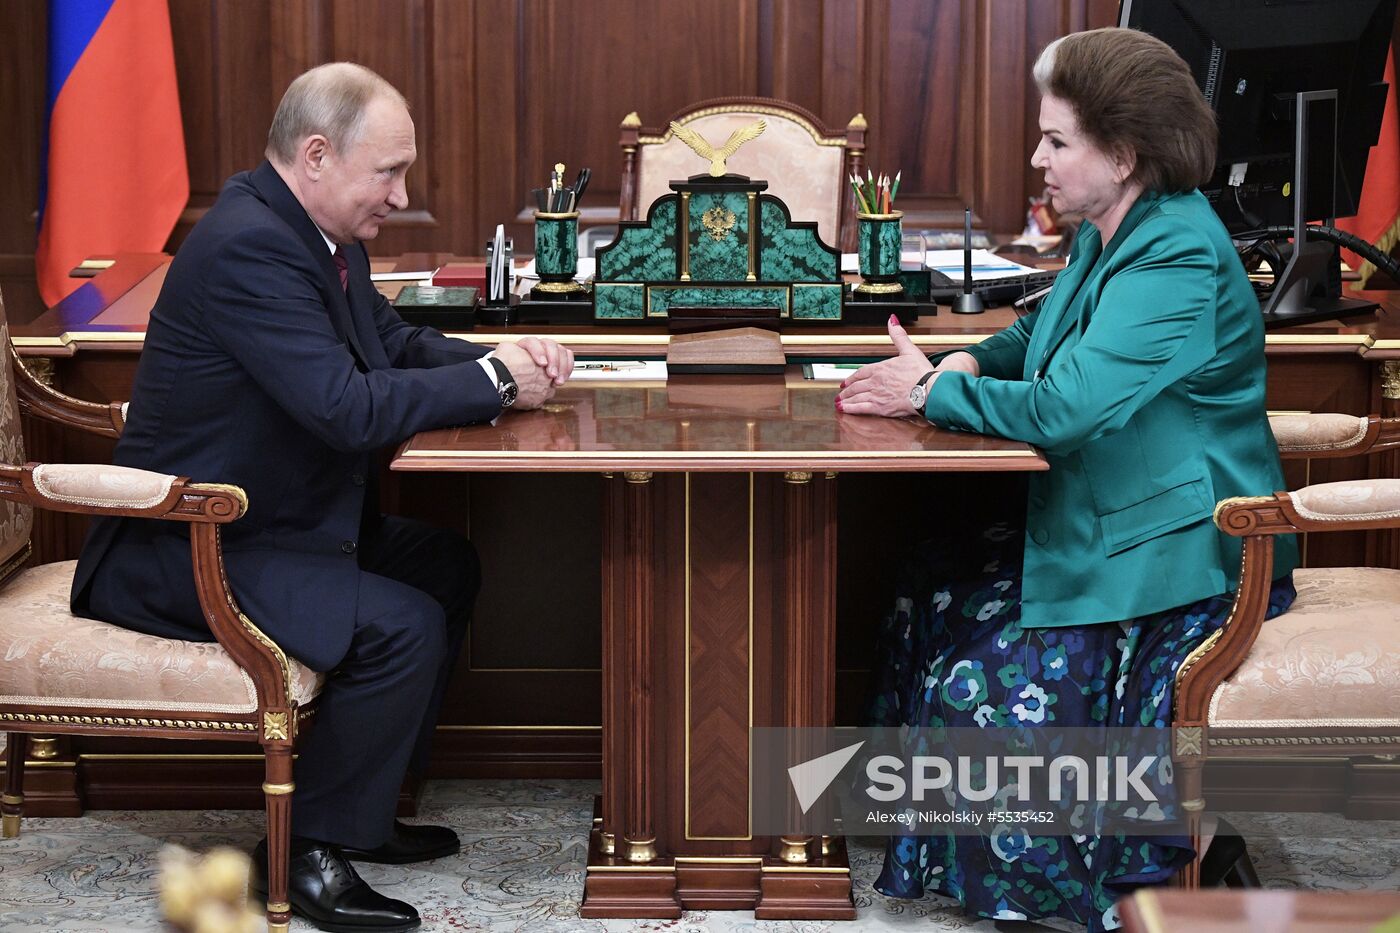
(277, 790)
(1189, 781)
(12, 802)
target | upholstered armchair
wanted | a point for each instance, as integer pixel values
(1323, 678)
(804, 162)
(63, 674)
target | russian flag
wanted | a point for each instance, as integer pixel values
(1377, 219)
(114, 175)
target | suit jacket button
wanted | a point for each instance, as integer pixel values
(357, 479)
(348, 547)
(1039, 536)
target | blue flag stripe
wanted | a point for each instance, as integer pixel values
(72, 24)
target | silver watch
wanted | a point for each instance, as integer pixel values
(918, 394)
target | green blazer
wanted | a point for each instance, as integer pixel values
(1141, 379)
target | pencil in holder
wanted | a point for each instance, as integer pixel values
(556, 255)
(878, 239)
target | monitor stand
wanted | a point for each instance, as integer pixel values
(1300, 294)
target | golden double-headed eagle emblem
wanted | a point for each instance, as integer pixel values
(717, 156)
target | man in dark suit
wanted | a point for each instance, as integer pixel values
(271, 362)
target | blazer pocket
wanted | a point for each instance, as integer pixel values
(1156, 515)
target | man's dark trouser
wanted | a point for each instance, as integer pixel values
(377, 713)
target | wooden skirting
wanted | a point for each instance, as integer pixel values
(1365, 789)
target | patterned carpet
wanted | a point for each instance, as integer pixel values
(521, 868)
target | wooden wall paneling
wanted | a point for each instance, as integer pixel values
(919, 103)
(222, 66)
(585, 72)
(793, 59)
(843, 60)
(300, 39)
(392, 38)
(1001, 105)
(23, 49)
(498, 93)
(454, 176)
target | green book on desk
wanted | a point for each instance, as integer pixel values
(444, 307)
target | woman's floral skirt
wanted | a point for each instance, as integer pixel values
(954, 654)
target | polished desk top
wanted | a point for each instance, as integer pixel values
(109, 312)
(707, 423)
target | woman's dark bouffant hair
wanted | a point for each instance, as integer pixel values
(1129, 90)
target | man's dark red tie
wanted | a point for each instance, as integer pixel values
(342, 267)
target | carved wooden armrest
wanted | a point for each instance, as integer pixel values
(1332, 435)
(1346, 506)
(1351, 505)
(46, 402)
(98, 489)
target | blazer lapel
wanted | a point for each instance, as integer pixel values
(1067, 285)
(280, 198)
(1094, 258)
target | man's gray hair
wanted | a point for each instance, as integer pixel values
(329, 100)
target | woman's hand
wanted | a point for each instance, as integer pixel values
(883, 388)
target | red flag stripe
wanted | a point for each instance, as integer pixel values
(117, 174)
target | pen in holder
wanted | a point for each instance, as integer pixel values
(498, 305)
(556, 256)
(879, 237)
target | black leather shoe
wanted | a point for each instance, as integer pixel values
(409, 843)
(1226, 862)
(324, 888)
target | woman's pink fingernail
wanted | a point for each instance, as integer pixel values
(894, 319)
(838, 404)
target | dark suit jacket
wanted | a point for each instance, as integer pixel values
(258, 370)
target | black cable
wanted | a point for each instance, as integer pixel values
(1380, 260)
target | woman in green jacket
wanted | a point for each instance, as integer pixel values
(1141, 379)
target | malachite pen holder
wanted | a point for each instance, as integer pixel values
(556, 255)
(878, 241)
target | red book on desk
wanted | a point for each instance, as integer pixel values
(462, 273)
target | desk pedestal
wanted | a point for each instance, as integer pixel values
(719, 596)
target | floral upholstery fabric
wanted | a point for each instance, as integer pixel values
(1333, 659)
(1317, 431)
(1350, 499)
(52, 658)
(802, 173)
(16, 519)
(102, 485)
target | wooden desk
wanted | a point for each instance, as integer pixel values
(526, 701)
(718, 547)
(1162, 911)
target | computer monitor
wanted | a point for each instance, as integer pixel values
(1252, 59)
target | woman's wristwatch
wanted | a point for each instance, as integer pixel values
(507, 389)
(919, 394)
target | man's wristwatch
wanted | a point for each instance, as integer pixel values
(918, 394)
(507, 388)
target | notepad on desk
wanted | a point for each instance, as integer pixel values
(985, 265)
(830, 372)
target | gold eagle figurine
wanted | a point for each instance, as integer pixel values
(717, 156)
